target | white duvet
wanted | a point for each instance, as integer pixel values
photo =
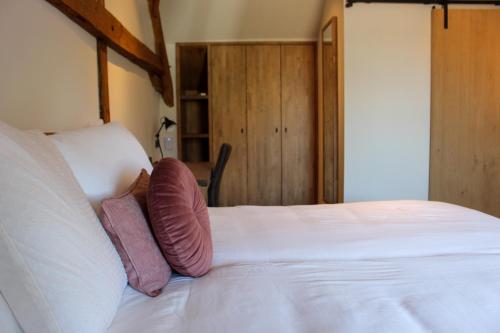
(404, 266)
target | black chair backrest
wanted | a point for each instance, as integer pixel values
(216, 177)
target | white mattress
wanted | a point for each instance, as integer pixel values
(403, 266)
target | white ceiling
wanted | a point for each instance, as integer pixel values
(240, 20)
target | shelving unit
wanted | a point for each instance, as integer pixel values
(260, 98)
(194, 98)
(195, 136)
(193, 107)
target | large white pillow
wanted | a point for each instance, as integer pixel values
(59, 271)
(105, 159)
(8, 323)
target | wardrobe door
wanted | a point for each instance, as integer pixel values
(264, 124)
(298, 123)
(228, 108)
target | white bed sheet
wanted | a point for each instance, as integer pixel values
(405, 266)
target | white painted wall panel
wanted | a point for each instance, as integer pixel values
(387, 111)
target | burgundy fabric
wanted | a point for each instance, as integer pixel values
(123, 219)
(179, 218)
(139, 189)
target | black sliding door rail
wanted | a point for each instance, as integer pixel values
(443, 3)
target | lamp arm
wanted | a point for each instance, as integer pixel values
(165, 123)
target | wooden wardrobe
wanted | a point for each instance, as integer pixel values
(262, 101)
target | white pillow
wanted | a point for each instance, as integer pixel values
(59, 271)
(7, 321)
(105, 159)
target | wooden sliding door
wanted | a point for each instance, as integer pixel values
(465, 119)
(264, 124)
(229, 112)
(298, 118)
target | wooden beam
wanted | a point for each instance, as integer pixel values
(92, 16)
(102, 76)
(164, 83)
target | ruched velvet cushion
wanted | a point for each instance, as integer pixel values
(179, 218)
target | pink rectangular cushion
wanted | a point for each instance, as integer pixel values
(125, 222)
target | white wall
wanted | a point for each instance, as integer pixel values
(49, 81)
(387, 93)
(48, 68)
(168, 111)
(48, 71)
(238, 20)
(387, 97)
(133, 100)
(233, 20)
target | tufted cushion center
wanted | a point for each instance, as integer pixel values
(179, 218)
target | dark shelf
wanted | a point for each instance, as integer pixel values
(193, 108)
(194, 97)
(195, 135)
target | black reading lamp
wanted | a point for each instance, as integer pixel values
(167, 123)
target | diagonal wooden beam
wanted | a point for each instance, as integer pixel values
(167, 89)
(92, 16)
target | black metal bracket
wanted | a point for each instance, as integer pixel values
(444, 3)
(165, 123)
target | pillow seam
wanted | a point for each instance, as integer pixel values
(126, 253)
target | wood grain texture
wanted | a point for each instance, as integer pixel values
(245, 88)
(229, 117)
(103, 81)
(195, 150)
(178, 93)
(298, 91)
(329, 131)
(193, 114)
(166, 88)
(264, 124)
(95, 19)
(330, 124)
(102, 78)
(325, 179)
(194, 68)
(465, 116)
(194, 117)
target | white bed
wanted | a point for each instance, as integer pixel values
(400, 266)
(404, 266)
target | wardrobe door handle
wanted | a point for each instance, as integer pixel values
(276, 130)
(242, 131)
(286, 129)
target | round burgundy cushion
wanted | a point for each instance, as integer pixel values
(179, 218)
